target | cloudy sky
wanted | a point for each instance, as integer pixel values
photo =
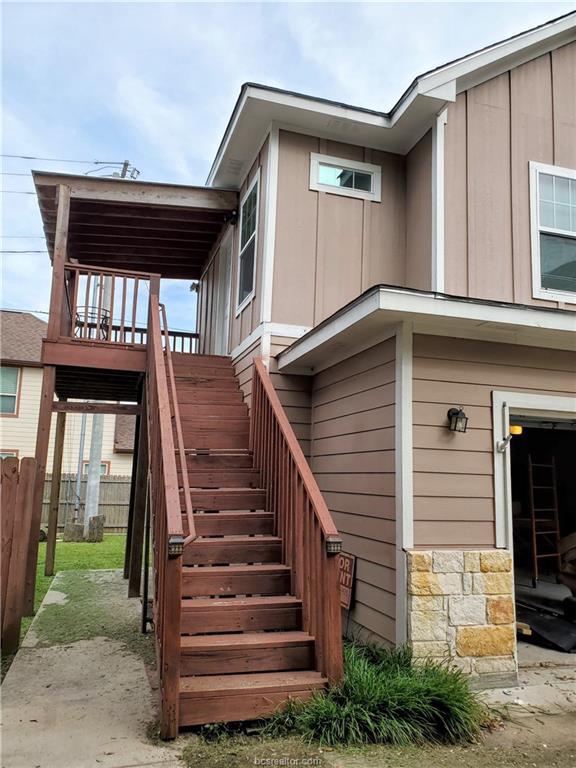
(155, 83)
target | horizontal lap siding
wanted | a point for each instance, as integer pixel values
(352, 457)
(294, 394)
(453, 473)
(244, 369)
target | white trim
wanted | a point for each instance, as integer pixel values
(438, 279)
(403, 468)
(375, 171)
(423, 308)
(268, 251)
(239, 307)
(538, 292)
(518, 403)
(273, 329)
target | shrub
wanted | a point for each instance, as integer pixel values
(386, 698)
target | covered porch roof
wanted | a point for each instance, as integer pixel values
(168, 229)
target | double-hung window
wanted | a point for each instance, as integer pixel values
(9, 381)
(553, 191)
(247, 249)
(349, 178)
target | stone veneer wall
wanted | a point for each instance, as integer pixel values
(461, 608)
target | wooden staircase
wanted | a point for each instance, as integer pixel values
(243, 650)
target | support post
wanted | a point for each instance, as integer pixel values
(131, 502)
(42, 440)
(55, 494)
(139, 511)
(57, 292)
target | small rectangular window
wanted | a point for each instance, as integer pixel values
(554, 232)
(247, 247)
(350, 178)
(8, 454)
(9, 380)
(104, 467)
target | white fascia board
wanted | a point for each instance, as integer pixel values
(430, 313)
(509, 53)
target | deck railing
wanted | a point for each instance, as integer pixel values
(166, 521)
(310, 539)
(110, 305)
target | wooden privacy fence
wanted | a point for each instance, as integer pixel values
(113, 504)
(17, 492)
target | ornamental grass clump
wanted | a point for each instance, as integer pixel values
(386, 698)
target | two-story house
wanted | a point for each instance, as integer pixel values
(408, 278)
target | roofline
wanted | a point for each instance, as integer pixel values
(116, 180)
(395, 299)
(417, 86)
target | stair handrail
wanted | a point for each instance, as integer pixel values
(310, 539)
(175, 414)
(165, 513)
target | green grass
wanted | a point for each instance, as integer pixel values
(386, 698)
(72, 556)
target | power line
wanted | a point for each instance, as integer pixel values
(23, 251)
(15, 192)
(7, 173)
(61, 160)
(22, 237)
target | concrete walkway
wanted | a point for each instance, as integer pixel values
(79, 693)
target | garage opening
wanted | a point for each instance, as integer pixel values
(543, 465)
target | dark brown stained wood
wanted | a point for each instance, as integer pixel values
(96, 354)
(229, 498)
(55, 493)
(215, 423)
(9, 490)
(60, 245)
(127, 212)
(225, 478)
(253, 652)
(208, 396)
(202, 687)
(22, 518)
(236, 580)
(232, 524)
(139, 510)
(234, 460)
(200, 361)
(238, 614)
(42, 441)
(247, 706)
(209, 439)
(122, 408)
(223, 411)
(187, 381)
(240, 549)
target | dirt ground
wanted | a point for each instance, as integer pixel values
(543, 741)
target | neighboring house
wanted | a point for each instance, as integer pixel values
(409, 279)
(21, 383)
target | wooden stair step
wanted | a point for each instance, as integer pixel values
(214, 439)
(207, 396)
(234, 410)
(223, 478)
(186, 358)
(240, 549)
(233, 459)
(235, 580)
(215, 423)
(228, 498)
(191, 381)
(237, 614)
(246, 652)
(221, 698)
(231, 523)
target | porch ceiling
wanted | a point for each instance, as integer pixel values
(142, 226)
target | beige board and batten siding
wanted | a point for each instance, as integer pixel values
(418, 216)
(241, 325)
(352, 457)
(330, 248)
(493, 132)
(454, 472)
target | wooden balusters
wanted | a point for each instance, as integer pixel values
(310, 538)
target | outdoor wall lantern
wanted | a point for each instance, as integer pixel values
(458, 421)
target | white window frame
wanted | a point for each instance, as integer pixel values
(317, 159)
(13, 414)
(241, 306)
(538, 292)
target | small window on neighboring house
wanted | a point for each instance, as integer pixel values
(345, 177)
(553, 232)
(104, 467)
(9, 380)
(8, 454)
(247, 248)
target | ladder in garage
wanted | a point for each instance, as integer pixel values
(544, 518)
